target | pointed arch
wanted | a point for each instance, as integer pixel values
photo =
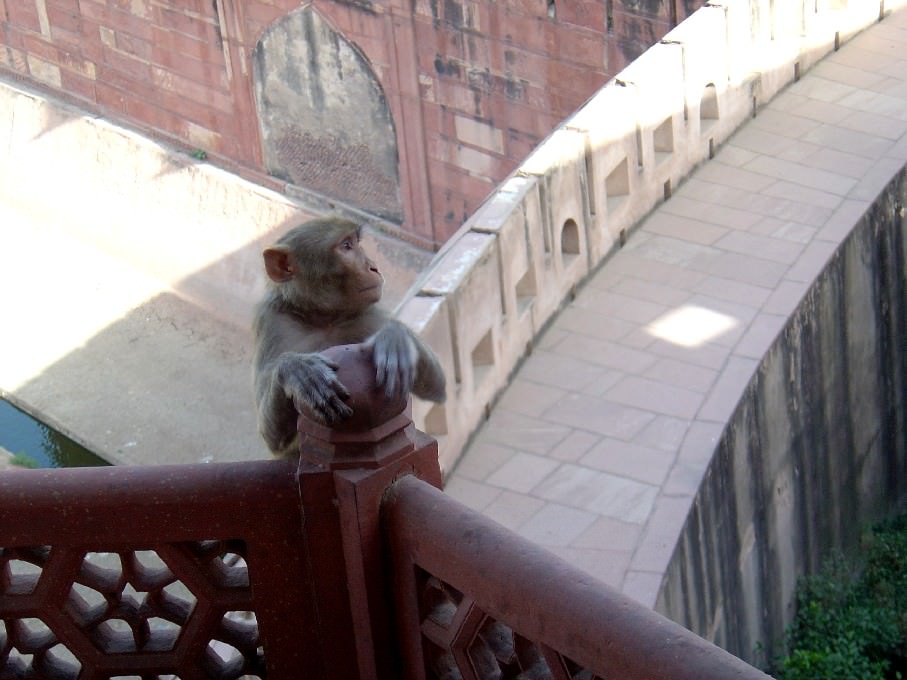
(325, 122)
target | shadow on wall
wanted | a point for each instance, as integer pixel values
(815, 451)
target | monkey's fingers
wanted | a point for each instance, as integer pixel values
(386, 367)
(332, 400)
(328, 406)
(335, 410)
(402, 382)
(320, 393)
(397, 375)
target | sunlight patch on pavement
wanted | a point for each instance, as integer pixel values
(691, 326)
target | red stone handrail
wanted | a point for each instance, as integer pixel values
(476, 597)
(155, 570)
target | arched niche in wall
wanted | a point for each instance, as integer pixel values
(324, 118)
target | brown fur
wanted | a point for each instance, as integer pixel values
(323, 292)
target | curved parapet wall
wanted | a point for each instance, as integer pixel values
(513, 264)
(815, 450)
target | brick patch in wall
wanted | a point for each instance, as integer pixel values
(76, 84)
(64, 58)
(210, 75)
(585, 14)
(23, 15)
(44, 71)
(479, 134)
(476, 163)
(202, 28)
(177, 44)
(202, 137)
(117, 20)
(133, 46)
(196, 91)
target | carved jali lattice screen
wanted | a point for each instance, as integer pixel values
(462, 642)
(175, 610)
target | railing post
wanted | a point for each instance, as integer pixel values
(343, 475)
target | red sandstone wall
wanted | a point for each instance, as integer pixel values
(473, 85)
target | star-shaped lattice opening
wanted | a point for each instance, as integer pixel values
(497, 652)
(129, 601)
(461, 640)
(28, 648)
(439, 602)
(223, 561)
(20, 569)
(236, 642)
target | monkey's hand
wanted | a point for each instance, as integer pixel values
(396, 357)
(310, 380)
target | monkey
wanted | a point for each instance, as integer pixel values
(323, 291)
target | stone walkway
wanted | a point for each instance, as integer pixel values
(597, 448)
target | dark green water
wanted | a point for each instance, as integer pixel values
(22, 434)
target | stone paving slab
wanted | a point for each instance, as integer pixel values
(597, 448)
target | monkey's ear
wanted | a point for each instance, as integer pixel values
(279, 264)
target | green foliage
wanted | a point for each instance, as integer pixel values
(23, 460)
(851, 621)
(199, 154)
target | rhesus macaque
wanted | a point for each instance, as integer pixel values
(323, 292)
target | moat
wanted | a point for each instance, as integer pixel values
(37, 444)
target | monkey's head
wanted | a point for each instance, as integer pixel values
(320, 266)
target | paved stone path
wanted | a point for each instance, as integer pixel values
(597, 448)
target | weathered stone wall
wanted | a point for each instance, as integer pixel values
(816, 449)
(465, 88)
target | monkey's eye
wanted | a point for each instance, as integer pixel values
(348, 243)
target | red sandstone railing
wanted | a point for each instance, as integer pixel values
(475, 600)
(108, 572)
(350, 566)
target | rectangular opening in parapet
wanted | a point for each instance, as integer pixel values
(482, 358)
(590, 177)
(546, 214)
(664, 140)
(708, 109)
(525, 292)
(617, 186)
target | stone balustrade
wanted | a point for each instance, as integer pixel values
(520, 256)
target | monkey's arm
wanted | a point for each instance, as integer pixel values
(287, 381)
(298, 381)
(404, 364)
(430, 382)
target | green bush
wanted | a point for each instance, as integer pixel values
(851, 621)
(23, 460)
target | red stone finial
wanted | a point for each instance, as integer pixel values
(376, 432)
